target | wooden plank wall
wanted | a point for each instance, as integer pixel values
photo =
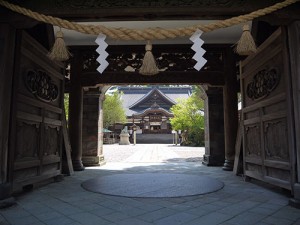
(7, 49)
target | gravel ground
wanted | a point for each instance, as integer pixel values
(190, 155)
(118, 153)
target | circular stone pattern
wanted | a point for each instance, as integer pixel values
(153, 185)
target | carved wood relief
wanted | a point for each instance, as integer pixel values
(253, 143)
(167, 60)
(28, 134)
(51, 141)
(263, 83)
(40, 84)
(275, 140)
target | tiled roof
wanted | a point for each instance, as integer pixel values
(144, 98)
(150, 109)
(131, 95)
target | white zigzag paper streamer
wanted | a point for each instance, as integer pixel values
(197, 47)
(102, 53)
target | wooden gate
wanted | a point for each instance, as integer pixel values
(36, 134)
(266, 114)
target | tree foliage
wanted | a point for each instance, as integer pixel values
(66, 104)
(113, 111)
(189, 118)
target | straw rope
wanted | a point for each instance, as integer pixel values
(148, 33)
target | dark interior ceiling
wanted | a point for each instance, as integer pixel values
(130, 10)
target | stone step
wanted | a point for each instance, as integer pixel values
(154, 138)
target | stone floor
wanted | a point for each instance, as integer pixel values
(238, 203)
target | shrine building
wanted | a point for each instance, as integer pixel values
(149, 107)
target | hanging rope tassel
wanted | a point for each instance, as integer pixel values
(149, 66)
(246, 44)
(59, 51)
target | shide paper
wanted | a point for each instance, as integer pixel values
(102, 53)
(197, 47)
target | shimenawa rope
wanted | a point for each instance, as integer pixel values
(123, 33)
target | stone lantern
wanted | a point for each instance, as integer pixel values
(124, 137)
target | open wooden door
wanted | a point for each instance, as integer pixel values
(36, 125)
(266, 114)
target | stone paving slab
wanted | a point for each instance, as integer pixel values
(155, 153)
(70, 204)
(153, 185)
(150, 153)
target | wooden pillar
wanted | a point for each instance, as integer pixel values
(294, 64)
(230, 109)
(7, 53)
(92, 135)
(75, 112)
(100, 127)
(214, 127)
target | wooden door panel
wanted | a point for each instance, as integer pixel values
(253, 143)
(276, 140)
(39, 102)
(265, 114)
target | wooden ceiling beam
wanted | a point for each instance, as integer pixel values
(125, 78)
(130, 10)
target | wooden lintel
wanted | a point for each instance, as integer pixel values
(15, 19)
(202, 77)
(122, 10)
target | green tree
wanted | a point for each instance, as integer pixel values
(189, 117)
(66, 104)
(113, 111)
